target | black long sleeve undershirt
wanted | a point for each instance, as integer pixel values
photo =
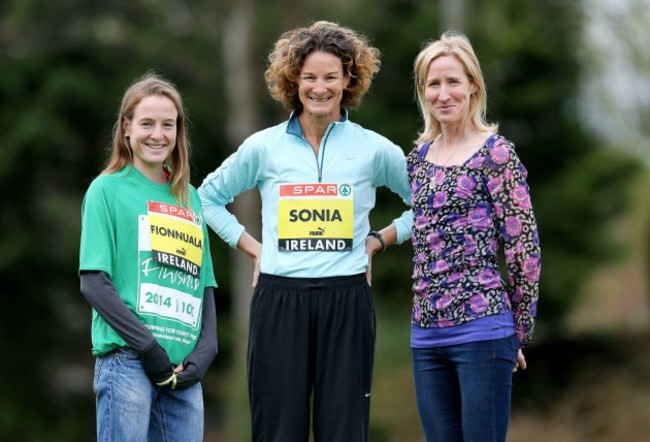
(98, 289)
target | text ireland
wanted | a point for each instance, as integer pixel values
(315, 245)
(176, 261)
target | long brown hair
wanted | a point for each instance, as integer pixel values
(178, 162)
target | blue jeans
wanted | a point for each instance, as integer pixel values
(130, 409)
(463, 391)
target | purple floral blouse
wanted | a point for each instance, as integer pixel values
(463, 214)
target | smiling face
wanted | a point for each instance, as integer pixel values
(152, 134)
(448, 90)
(321, 85)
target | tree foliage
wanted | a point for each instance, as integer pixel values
(65, 64)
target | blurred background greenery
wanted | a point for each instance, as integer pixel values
(567, 80)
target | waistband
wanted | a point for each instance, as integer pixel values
(332, 282)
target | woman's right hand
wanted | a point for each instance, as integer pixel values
(252, 248)
(256, 271)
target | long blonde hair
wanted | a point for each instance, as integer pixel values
(457, 44)
(178, 162)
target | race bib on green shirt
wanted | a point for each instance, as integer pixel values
(170, 249)
(176, 236)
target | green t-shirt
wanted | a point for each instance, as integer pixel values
(156, 253)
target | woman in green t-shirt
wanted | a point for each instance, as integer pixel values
(146, 270)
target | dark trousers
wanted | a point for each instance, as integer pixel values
(311, 342)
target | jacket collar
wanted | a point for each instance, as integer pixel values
(293, 126)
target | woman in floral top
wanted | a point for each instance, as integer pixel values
(469, 197)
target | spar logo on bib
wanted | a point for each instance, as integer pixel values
(315, 217)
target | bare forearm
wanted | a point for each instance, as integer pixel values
(250, 246)
(377, 241)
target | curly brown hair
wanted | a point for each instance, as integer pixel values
(360, 61)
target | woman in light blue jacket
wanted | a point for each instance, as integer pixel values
(312, 319)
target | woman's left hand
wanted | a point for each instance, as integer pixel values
(371, 250)
(521, 362)
(369, 270)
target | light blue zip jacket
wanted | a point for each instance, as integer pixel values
(349, 154)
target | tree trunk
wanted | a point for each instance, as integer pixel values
(242, 120)
(453, 14)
